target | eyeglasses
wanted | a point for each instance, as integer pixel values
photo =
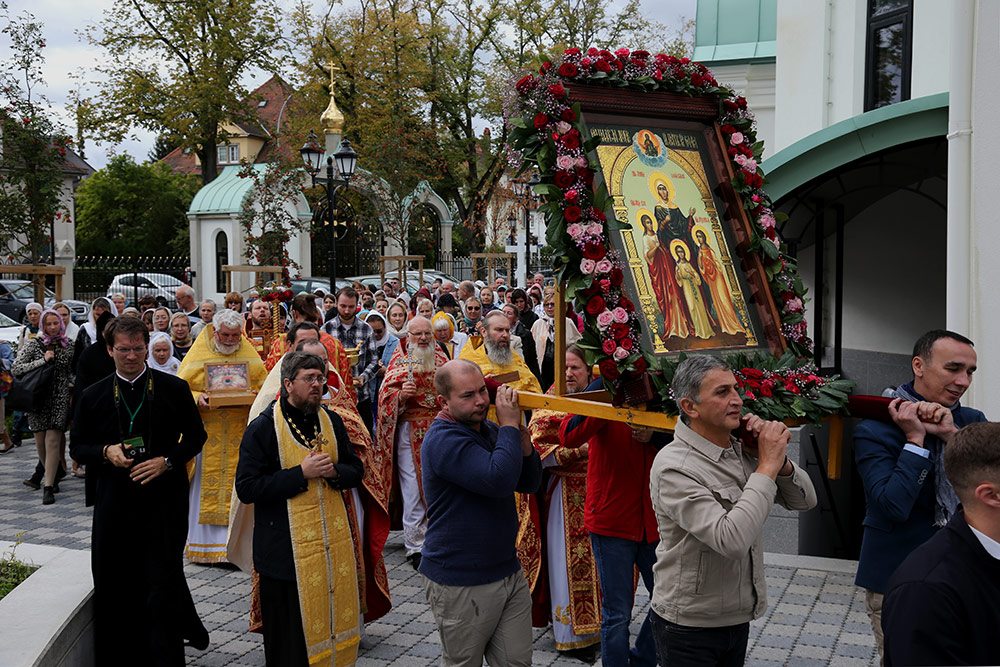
(312, 380)
(130, 350)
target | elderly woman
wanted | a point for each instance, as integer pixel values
(543, 333)
(425, 308)
(452, 341)
(49, 420)
(234, 301)
(161, 354)
(33, 314)
(207, 311)
(180, 334)
(119, 300)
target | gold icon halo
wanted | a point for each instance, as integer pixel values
(655, 179)
(694, 233)
(679, 243)
(641, 135)
(638, 218)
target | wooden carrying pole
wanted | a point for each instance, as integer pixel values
(36, 271)
(401, 267)
(229, 269)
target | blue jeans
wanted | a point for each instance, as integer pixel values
(614, 557)
(686, 646)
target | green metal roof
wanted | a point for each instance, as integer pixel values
(856, 137)
(736, 31)
(225, 194)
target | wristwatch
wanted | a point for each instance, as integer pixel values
(170, 466)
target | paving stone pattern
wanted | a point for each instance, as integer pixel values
(816, 618)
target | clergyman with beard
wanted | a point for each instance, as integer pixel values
(407, 406)
(222, 341)
(495, 356)
(291, 456)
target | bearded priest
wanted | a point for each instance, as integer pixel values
(495, 357)
(223, 342)
(297, 461)
(407, 405)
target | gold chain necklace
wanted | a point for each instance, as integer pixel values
(315, 443)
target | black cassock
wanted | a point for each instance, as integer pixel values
(143, 607)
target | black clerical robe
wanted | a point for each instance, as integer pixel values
(94, 364)
(143, 607)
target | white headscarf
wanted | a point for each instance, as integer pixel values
(172, 363)
(90, 326)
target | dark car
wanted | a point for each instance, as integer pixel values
(16, 294)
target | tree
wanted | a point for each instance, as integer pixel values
(129, 209)
(265, 218)
(175, 66)
(33, 150)
(162, 147)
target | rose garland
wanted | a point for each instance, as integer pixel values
(546, 131)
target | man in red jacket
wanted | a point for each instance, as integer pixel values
(619, 515)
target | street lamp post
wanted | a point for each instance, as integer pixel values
(526, 190)
(347, 161)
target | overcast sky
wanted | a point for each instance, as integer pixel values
(67, 54)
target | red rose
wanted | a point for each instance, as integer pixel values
(608, 347)
(617, 277)
(605, 285)
(585, 175)
(567, 115)
(658, 75)
(750, 396)
(732, 151)
(572, 52)
(609, 369)
(572, 196)
(728, 129)
(626, 304)
(770, 233)
(603, 65)
(541, 120)
(619, 331)
(598, 215)
(593, 52)
(594, 251)
(596, 305)
(557, 91)
(640, 365)
(564, 178)
(572, 214)
(729, 105)
(685, 61)
(607, 55)
(568, 70)
(546, 66)
(751, 373)
(525, 84)
(697, 80)
(640, 54)
(626, 343)
(571, 140)
(741, 102)
(765, 389)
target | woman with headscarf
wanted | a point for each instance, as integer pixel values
(445, 333)
(385, 345)
(422, 293)
(147, 319)
(180, 334)
(543, 331)
(161, 320)
(49, 421)
(161, 353)
(88, 332)
(72, 328)
(397, 317)
(33, 314)
(119, 300)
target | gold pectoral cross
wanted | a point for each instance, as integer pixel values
(318, 442)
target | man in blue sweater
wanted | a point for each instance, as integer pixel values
(471, 468)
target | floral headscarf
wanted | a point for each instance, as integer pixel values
(60, 338)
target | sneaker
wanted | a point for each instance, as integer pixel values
(31, 483)
(47, 497)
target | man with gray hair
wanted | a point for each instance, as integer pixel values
(711, 495)
(184, 296)
(220, 358)
(466, 290)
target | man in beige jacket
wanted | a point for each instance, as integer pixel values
(711, 496)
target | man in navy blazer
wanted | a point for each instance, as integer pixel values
(901, 464)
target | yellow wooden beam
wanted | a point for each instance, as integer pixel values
(632, 415)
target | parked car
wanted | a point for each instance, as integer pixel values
(10, 330)
(310, 285)
(137, 285)
(16, 294)
(412, 279)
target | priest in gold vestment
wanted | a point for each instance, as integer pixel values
(568, 593)
(495, 356)
(297, 462)
(215, 468)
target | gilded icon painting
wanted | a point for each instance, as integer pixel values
(678, 245)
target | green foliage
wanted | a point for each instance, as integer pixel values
(128, 209)
(176, 67)
(267, 222)
(13, 571)
(31, 180)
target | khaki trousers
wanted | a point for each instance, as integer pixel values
(873, 607)
(491, 620)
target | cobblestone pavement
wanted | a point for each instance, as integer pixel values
(816, 616)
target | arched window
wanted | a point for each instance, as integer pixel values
(221, 259)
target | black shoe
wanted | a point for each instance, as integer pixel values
(198, 639)
(55, 487)
(47, 497)
(31, 483)
(587, 654)
(414, 560)
(60, 473)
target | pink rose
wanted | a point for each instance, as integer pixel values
(776, 242)
(581, 162)
(595, 229)
(562, 127)
(587, 266)
(793, 305)
(741, 160)
(575, 230)
(572, 195)
(620, 354)
(620, 315)
(750, 165)
(605, 319)
(766, 221)
(608, 346)
(605, 266)
(736, 138)
(564, 162)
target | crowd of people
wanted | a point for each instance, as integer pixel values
(372, 409)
